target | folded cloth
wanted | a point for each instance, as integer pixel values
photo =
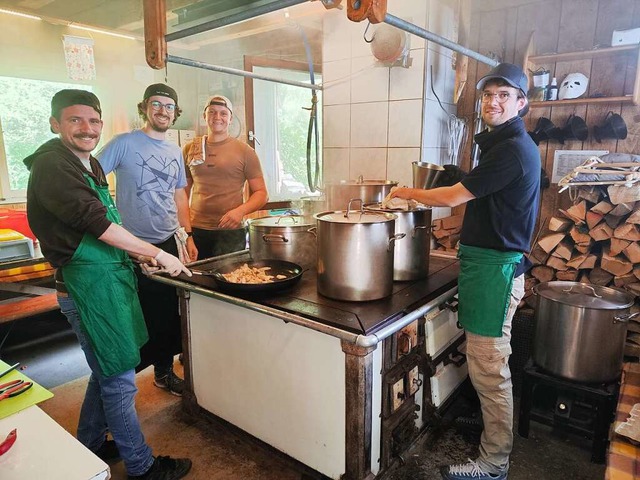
(181, 242)
(395, 203)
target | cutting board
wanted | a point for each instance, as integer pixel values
(35, 394)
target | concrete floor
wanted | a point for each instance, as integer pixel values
(219, 453)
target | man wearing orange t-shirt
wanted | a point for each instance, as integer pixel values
(217, 167)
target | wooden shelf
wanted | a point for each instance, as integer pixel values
(582, 55)
(552, 58)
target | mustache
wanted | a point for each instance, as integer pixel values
(84, 135)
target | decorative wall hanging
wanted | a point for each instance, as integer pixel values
(78, 54)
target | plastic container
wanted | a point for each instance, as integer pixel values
(16, 220)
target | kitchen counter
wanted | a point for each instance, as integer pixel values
(305, 374)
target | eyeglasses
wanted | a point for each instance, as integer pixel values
(502, 97)
(169, 107)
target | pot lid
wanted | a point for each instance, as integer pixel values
(355, 216)
(360, 182)
(583, 295)
(417, 207)
(283, 221)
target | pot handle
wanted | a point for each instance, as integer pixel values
(593, 290)
(624, 317)
(414, 230)
(392, 239)
(272, 238)
(313, 231)
(346, 214)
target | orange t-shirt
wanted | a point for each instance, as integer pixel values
(218, 178)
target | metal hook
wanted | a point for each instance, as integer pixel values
(364, 35)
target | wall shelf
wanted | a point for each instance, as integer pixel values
(552, 58)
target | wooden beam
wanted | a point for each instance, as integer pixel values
(155, 29)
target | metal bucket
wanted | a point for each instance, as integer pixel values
(425, 174)
(338, 194)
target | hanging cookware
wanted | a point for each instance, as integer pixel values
(581, 330)
(355, 254)
(411, 253)
(288, 237)
(338, 194)
(289, 273)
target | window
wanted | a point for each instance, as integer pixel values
(24, 126)
(280, 125)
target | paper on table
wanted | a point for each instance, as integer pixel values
(35, 394)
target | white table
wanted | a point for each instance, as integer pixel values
(44, 449)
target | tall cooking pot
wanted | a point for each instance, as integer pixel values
(355, 254)
(411, 253)
(338, 194)
(580, 330)
(287, 237)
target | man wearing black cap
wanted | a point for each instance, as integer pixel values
(150, 194)
(501, 196)
(72, 214)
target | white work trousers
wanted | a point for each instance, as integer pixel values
(488, 361)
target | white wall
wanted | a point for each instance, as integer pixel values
(377, 120)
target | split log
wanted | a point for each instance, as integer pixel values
(450, 242)
(636, 272)
(538, 255)
(557, 263)
(579, 211)
(543, 273)
(569, 275)
(589, 262)
(617, 245)
(583, 247)
(634, 217)
(549, 242)
(580, 235)
(601, 232)
(598, 276)
(454, 221)
(563, 250)
(576, 261)
(602, 207)
(633, 288)
(613, 221)
(621, 194)
(615, 265)
(622, 209)
(589, 194)
(584, 277)
(627, 231)
(529, 283)
(622, 280)
(558, 224)
(593, 219)
(632, 252)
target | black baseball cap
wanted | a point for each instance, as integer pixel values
(162, 90)
(510, 73)
(68, 97)
(513, 75)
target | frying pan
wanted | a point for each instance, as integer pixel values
(292, 272)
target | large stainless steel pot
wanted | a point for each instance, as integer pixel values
(355, 254)
(580, 330)
(411, 253)
(288, 237)
(338, 194)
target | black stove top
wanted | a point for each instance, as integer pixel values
(356, 317)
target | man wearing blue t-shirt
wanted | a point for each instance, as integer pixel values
(151, 198)
(502, 195)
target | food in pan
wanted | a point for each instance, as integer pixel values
(247, 274)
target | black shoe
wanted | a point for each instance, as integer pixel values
(165, 468)
(108, 451)
(170, 382)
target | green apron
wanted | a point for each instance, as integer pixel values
(103, 285)
(484, 288)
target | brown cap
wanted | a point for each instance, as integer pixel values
(219, 100)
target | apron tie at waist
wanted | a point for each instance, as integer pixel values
(484, 288)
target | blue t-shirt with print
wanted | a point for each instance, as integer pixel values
(148, 172)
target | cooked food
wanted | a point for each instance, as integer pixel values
(247, 274)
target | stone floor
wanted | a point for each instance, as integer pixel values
(219, 453)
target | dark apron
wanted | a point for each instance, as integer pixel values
(101, 280)
(484, 288)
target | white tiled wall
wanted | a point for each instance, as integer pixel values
(378, 119)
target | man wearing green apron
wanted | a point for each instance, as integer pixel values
(73, 215)
(501, 196)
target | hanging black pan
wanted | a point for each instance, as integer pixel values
(291, 272)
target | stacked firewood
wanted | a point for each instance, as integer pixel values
(595, 241)
(446, 232)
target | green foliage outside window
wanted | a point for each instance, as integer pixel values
(24, 110)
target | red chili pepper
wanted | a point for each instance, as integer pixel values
(9, 441)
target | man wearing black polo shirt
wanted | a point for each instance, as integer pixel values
(502, 195)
